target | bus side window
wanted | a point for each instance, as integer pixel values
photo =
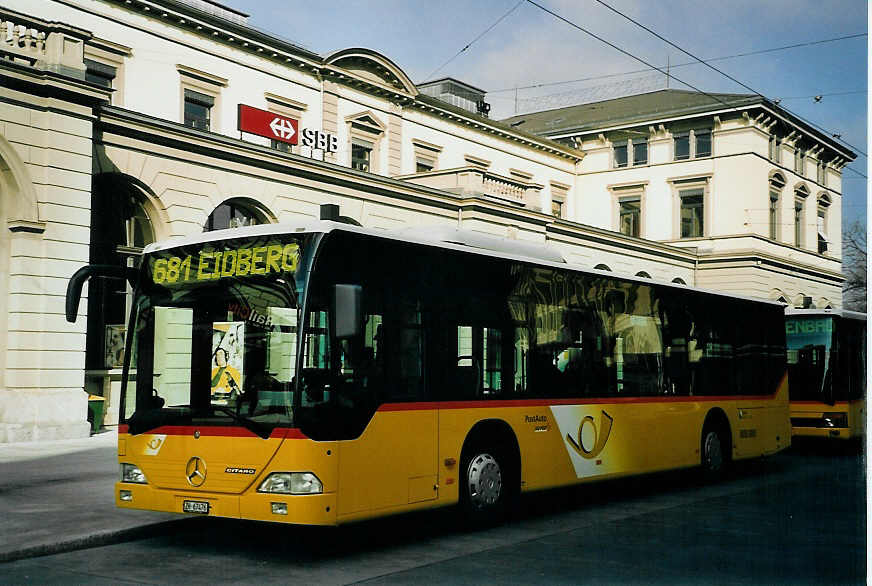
(403, 342)
(479, 361)
(679, 323)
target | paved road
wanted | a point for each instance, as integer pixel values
(58, 495)
(796, 518)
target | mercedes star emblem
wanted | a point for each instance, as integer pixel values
(195, 471)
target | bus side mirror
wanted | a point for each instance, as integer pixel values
(347, 311)
(77, 281)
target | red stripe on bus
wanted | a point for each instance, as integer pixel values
(279, 432)
(550, 402)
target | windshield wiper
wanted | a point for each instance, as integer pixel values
(259, 429)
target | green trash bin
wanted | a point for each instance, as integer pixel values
(96, 406)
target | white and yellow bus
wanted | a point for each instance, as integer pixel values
(826, 362)
(375, 373)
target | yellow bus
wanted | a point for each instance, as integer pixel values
(376, 373)
(826, 362)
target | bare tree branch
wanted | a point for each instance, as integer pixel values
(854, 266)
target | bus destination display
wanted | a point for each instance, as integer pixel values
(273, 259)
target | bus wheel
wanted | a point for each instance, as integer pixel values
(483, 493)
(714, 459)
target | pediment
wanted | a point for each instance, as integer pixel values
(367, 121)
(373, 67)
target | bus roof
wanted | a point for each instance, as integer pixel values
(440, 236)
(845, 313)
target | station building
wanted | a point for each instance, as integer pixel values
(123, 122)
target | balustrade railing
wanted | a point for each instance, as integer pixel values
(20, 42)
(502, 187)
(477, 182)
(44, 44)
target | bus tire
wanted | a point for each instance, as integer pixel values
(484, 491)
(714, 451)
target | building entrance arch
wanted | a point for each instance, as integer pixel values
(125, 218)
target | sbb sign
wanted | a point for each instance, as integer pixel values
(277, 127)
(268, 124)
(320, 140)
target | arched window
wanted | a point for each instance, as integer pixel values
(643, 274)
(679, 281)
(799, 197)
(823, 206)
(776, 185)
(602, 267)
(120, 229)
(235, 213)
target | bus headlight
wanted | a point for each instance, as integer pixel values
(291, 483)
(131, 473)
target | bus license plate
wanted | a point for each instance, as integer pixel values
(200, 507)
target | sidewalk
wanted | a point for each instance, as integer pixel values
(58, 496)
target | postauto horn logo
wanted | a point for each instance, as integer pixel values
(591, 438)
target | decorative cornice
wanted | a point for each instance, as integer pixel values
(285, 102)
(201, 75)
(26, 226)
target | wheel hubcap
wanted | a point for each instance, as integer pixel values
(714, 458)
(485, 481)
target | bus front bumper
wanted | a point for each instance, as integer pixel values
(831, 432)
(310, 509)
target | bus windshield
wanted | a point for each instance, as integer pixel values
(215, 335)
(809, 350)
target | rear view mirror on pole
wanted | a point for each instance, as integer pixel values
(77, 281)
(347, 315)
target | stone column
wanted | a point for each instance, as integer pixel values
(395, 140)
(330, 113)
(45, 198)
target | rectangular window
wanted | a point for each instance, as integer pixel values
(630, 215)
(822, 231)
(198, 107)
(682, 146)
(620, 155)
(361, 154)
(640, 151)
(423, 165)
(822, 173)
(280, 145)
(99, 73)
(797, 224)
(703, 140)
(773, 148)
(691, 213)
(773, 214)
(799, 161)
(556, 208)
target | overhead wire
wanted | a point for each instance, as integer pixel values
(713, 68)
(722, 58)
(628, 54)
(473, 41)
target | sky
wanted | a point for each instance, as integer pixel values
(527, 46)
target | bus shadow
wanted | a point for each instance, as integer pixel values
(292, 545)
(813, 446)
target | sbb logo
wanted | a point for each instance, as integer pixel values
(315, 139)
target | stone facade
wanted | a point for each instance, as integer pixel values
(92, 168)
